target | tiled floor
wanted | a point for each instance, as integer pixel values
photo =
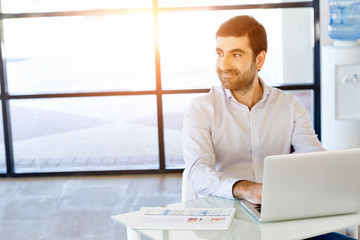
(78, 207)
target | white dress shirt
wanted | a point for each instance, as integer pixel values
(225, 142)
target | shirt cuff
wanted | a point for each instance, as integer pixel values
(227, 187)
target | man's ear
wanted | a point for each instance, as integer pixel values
(260, 60)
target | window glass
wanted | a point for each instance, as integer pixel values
(2, 145)
(187, 46)
(83, 134)
(195, 3)
(174, 107)
(80, 54)
(116, 53)
(17, 6)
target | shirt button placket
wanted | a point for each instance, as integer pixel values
(255, 145)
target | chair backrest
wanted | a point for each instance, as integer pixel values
(187, 193)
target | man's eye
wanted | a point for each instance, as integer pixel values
(237, 55)
(220, 54)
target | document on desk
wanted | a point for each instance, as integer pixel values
(185, 218)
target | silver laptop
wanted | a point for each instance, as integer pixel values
(307, 185)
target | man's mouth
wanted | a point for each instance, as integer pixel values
(228, 74)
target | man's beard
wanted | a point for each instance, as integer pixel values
(241, 81)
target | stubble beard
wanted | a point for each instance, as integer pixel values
(242, 82)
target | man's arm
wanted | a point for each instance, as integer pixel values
(304, 138)
(199, 153)
(247, 190)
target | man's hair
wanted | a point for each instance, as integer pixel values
(245, 26)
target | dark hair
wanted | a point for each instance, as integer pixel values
(245, 26)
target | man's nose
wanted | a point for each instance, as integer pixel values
(225, 63)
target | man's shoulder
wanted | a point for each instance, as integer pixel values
(277, 94)
(216, 93)
(208, 101)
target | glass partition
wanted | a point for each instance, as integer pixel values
(83, 134)
(2, 145)
(188, 46)
(195, 3)
(58, 51)
(80, 54)
(16, 6)
(174, 107)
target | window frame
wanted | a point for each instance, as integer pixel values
(159, 92)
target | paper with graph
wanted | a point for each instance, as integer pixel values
(184, 218)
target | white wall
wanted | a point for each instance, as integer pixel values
(324, 21)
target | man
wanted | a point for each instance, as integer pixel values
(229, 131)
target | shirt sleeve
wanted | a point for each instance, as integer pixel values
(199, 153)
(304, 138)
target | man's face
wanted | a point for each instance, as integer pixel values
(235, 65)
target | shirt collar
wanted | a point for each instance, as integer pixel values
(266, 91)
(228, 93)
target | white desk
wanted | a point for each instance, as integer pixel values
(245, 226)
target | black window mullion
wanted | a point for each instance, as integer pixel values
(238, 7)
(6, 109)
(317, 97)
(158, 87)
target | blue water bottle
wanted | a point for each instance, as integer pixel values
(344, 19)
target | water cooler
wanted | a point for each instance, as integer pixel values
(340, 95)
(340, 78)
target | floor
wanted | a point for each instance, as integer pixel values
(80, 208)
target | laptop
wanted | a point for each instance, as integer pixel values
(306, 185)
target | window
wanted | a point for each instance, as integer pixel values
(188, 55)
(84, 134)
(2, 148)
(80, 54)
(103, 85)
(174, 106)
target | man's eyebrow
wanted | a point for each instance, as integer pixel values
(237, 50)
(232, 50)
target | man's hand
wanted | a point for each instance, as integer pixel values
(249, 191)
